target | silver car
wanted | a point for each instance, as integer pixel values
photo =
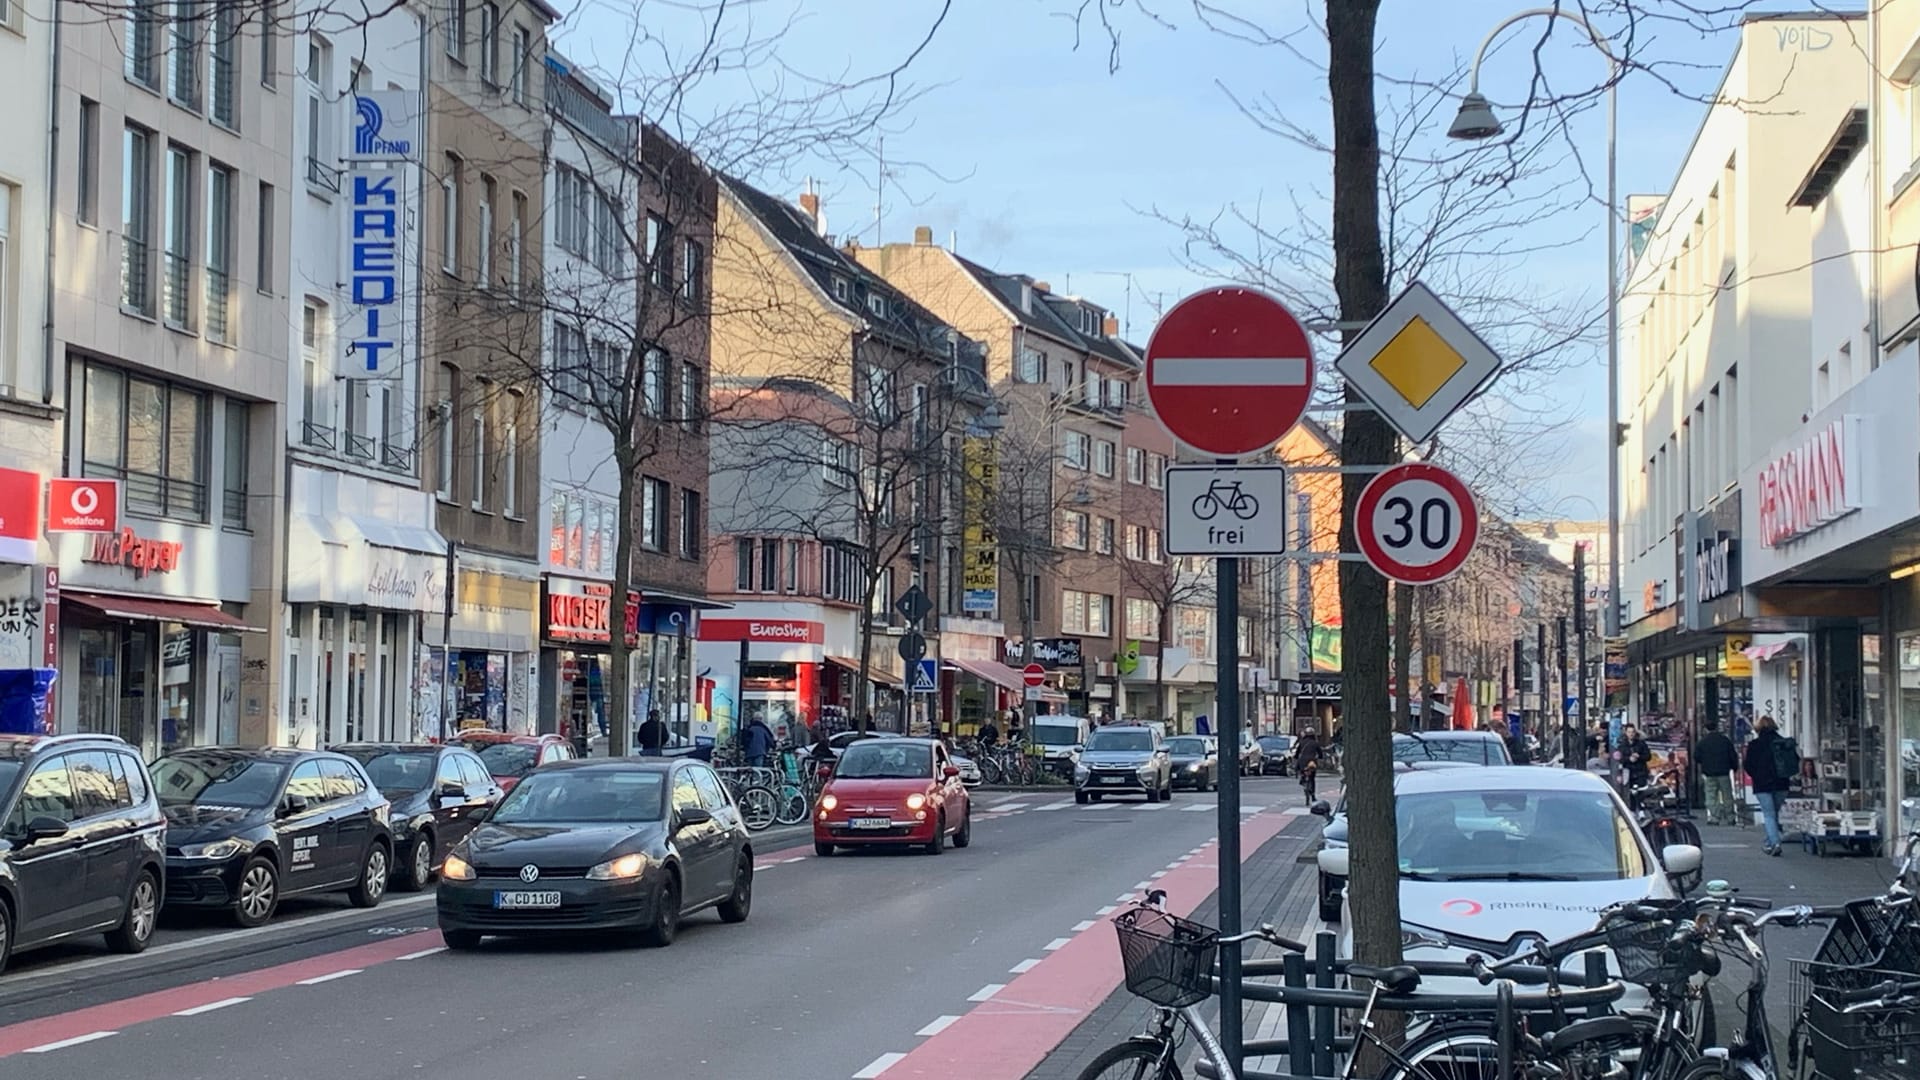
(1124, 760)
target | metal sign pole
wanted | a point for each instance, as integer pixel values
(1226, 681)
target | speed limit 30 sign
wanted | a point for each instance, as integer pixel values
(1416, 523)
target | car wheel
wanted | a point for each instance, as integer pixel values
(822, 848)
(6, 934)
(939, 842)
(1095, 796)
(373, 878)
(138, 918)
(666, 915)
(259, 893)
(418, 872)
(1082, 798)
(461, 940)
(1329, 900)
(965, 836)
(740, 901)
(1166, 793)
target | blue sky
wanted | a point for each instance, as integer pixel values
(1038, 159)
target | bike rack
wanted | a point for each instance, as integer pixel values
(1314, 1048)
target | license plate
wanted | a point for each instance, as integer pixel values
(515, 901)
(871, 823)
(1113, 779)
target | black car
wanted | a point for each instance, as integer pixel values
(247, 826)
(626, 844)
(439, 793)
(1196, 761)
(1277, 754)
(82, 843)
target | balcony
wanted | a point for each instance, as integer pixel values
(318, 436)
(320, 174)
(618, 135)
(136, 275)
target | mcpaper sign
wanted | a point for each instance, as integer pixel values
(137, 553)
(83, 505)
(375, 326)
(386, 126)
(1813, 485)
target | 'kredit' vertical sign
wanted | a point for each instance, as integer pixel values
(378, 185)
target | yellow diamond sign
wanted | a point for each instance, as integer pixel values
(1417, 363)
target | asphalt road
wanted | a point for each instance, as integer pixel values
(847, 966)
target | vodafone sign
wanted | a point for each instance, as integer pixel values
(789, 631)
(85, 506)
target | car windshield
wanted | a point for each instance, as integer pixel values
(510, 759)
(397, 772)
(1055, 734)
(1275, 742)
(1188, 746)
(883, 759)
(1476, 751)
(1516, 836)
(1120, 740)
(214, 780)
(583, 796)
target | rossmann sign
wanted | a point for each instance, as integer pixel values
(1812, 485)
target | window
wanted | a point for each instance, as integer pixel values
(690, 527)
(653, 382)
(150, 435)
(91, 772)
(839, 461)
(1089, 323)
(140, 44)
(1136, 465)
(1073, 530)
(793, 566)
(573, 211)
(743, 565)
(877, 304)
(48, 792)
(693, 263)
(917, 412)
(183, 54)
(1143, 619)
(1070, 380)
(522, 54)
(1116, 393)
(456, 28)
(1137, 542)
(450, 217)
(269, 44)
(263, 231)
(1092, 388)
(443, 415)
(1076, 448)
(1086, 613)
(510, 457)
(219, 248)
(1033, 366)
(320, 170)
(87, 182)
(233, 499)
(881, 607)
(316, 425)
(658, 245)
(1156, 471)
(653, 513)
(512, 251)
(1103, 536)
(609, 236)
(490, 43)
(1154, 554)
(1103, 457)
(880, 394)
(769, 566)
(223, 64)
(136, 227)
(176, 283)
(841, 289)
(690, 395)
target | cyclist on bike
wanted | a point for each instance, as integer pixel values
(1306, 761)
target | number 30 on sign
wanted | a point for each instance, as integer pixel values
(1416, 523)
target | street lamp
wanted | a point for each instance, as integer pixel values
(1476, 121)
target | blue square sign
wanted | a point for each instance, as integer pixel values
(925, 677)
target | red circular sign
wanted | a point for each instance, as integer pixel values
(1416, 523)
(1033, 674)
(1229, 371)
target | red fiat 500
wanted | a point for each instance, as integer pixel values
(893, 791)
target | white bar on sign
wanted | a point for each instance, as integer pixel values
(1229, 371)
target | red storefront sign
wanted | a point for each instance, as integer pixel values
(581, 610)
(74, 505)
(135, 552)
(1812, 485)
(19, 515)
(787, 631)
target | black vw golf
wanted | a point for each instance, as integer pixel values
(620, 844)
(249, 825)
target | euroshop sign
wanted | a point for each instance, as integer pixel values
(1813, 485)
(784, 631)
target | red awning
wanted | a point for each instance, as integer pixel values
(148, 610)
(992, 671)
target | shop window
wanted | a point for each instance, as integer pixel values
(690, 525)
(653, 513)
(149, 434)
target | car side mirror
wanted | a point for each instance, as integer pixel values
(1681, 859)
(45, 828)
(452, 790)
(1079, 748)
(1334, 862)
(295, 804)
(694, 815)
(1321, 808)
(950, 771)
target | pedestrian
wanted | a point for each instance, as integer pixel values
(653, 734)
(1772, 761)
(758, 740)
(1306, 762)
(1714, 756)
(989, 735)
(1636, 756)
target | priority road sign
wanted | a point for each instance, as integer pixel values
(1229, 371)
(1416, 523)
(1417, 362)
(1033, 674)
(913, 604)
(1226, 510)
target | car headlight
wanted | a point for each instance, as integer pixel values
(916, 800)
(828, 801)
(1419, 937)
(457, 869)
(621, 869)
(1193, 766)
(218, 849)
(1080, 772)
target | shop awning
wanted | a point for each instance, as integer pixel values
(650, 594)
(388, 534)
(1771, 650)
(149, 610)
(875, 673)
(992, 671)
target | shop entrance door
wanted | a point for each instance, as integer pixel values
(226, 690)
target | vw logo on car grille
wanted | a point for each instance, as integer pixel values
(529, 873)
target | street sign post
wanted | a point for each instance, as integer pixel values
(1417, 362)
(1033, 674)
(1416, 523)
(1226, 510)
(1229, 371)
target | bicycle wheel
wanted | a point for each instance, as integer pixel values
(794, 805)
(758, 808)
(989, 769)
(1140, 1059)
(1448, 1054)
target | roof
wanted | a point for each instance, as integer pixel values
(1446, 736)
(1500, 778)
(1049, 313)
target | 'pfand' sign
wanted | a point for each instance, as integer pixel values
(1813, 485)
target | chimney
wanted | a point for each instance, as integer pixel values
(1110, 326)
(810, 205)
(922, 236)
(1042, 287)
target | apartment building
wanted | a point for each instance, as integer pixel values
(168, 326)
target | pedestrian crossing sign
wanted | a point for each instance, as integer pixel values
(923, 677)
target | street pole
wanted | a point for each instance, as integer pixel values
(1540, 674)
(1227, 675)
(450, 694)
(1560, 648)
(1580, 649)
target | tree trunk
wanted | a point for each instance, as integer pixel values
(1360, 280)
(1402, 654)
(619, 722)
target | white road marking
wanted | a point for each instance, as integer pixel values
(940, 1024)
(1108, 910)
(423, 953)
(1103, 806)
(1151, 806)
(1124, 898)
(1007, 808)
(879, 1065)
(1198, 808)
(986, 992)
(1143, 886)
(1058, 943)
(1157, 874)
(795, 859)
(1233, 371)
(211, 1006)
(1083, 925)
(1175, 865)
(1062, 805)
(329, 977)
(64, 1043)
(1024, 966)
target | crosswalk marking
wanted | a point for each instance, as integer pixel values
(1003, 808)
(1151, 806)
(1104, 806)
(1061, 805)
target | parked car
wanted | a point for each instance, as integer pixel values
(1196, 761)
(1471, 747)
(82, 843)
(625, 844)
(1253, 757)
(969, 770)
(250, 826)
(438, 794)
(509, 757)
(1334, 834)
(1061, 740)
(1124, 759)
(896, 791)
(1276, 754)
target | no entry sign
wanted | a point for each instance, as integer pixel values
(1033, 674)
(1229, 371)
(1416, 523)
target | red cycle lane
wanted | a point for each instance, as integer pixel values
(1005, 1037)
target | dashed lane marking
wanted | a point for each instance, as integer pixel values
(423, 953)
(879, 1065)
(211, 1006)
(1083, 925)
(986, 992)
(1108, 910)
(940, 1024)
(47, 1048)
(329, 977)
(1024, 966)
(1058, 943)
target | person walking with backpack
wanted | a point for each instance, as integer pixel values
(1714, 756)
(1772, 761)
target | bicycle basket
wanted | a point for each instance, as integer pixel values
(1866, 1044)
(1871, 935)
(1648, 955)
(1168, 960)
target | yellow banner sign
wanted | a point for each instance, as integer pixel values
(980, 549)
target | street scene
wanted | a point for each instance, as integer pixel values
(960, 539)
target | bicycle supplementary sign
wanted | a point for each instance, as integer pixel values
(1416, 523)
(1229, 371)
(1417, 362)
(1223, 510)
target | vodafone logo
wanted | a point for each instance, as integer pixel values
(90, 506)
(1462, 907)
(85, 501)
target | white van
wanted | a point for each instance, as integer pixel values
(1060, 739)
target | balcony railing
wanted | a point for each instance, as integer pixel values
(136, 274)
(316, 435)
(360, 446)
(619, 135)
(176, 286)
(219, 302)
(323, 174)
(233, 509)
(397, 458)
